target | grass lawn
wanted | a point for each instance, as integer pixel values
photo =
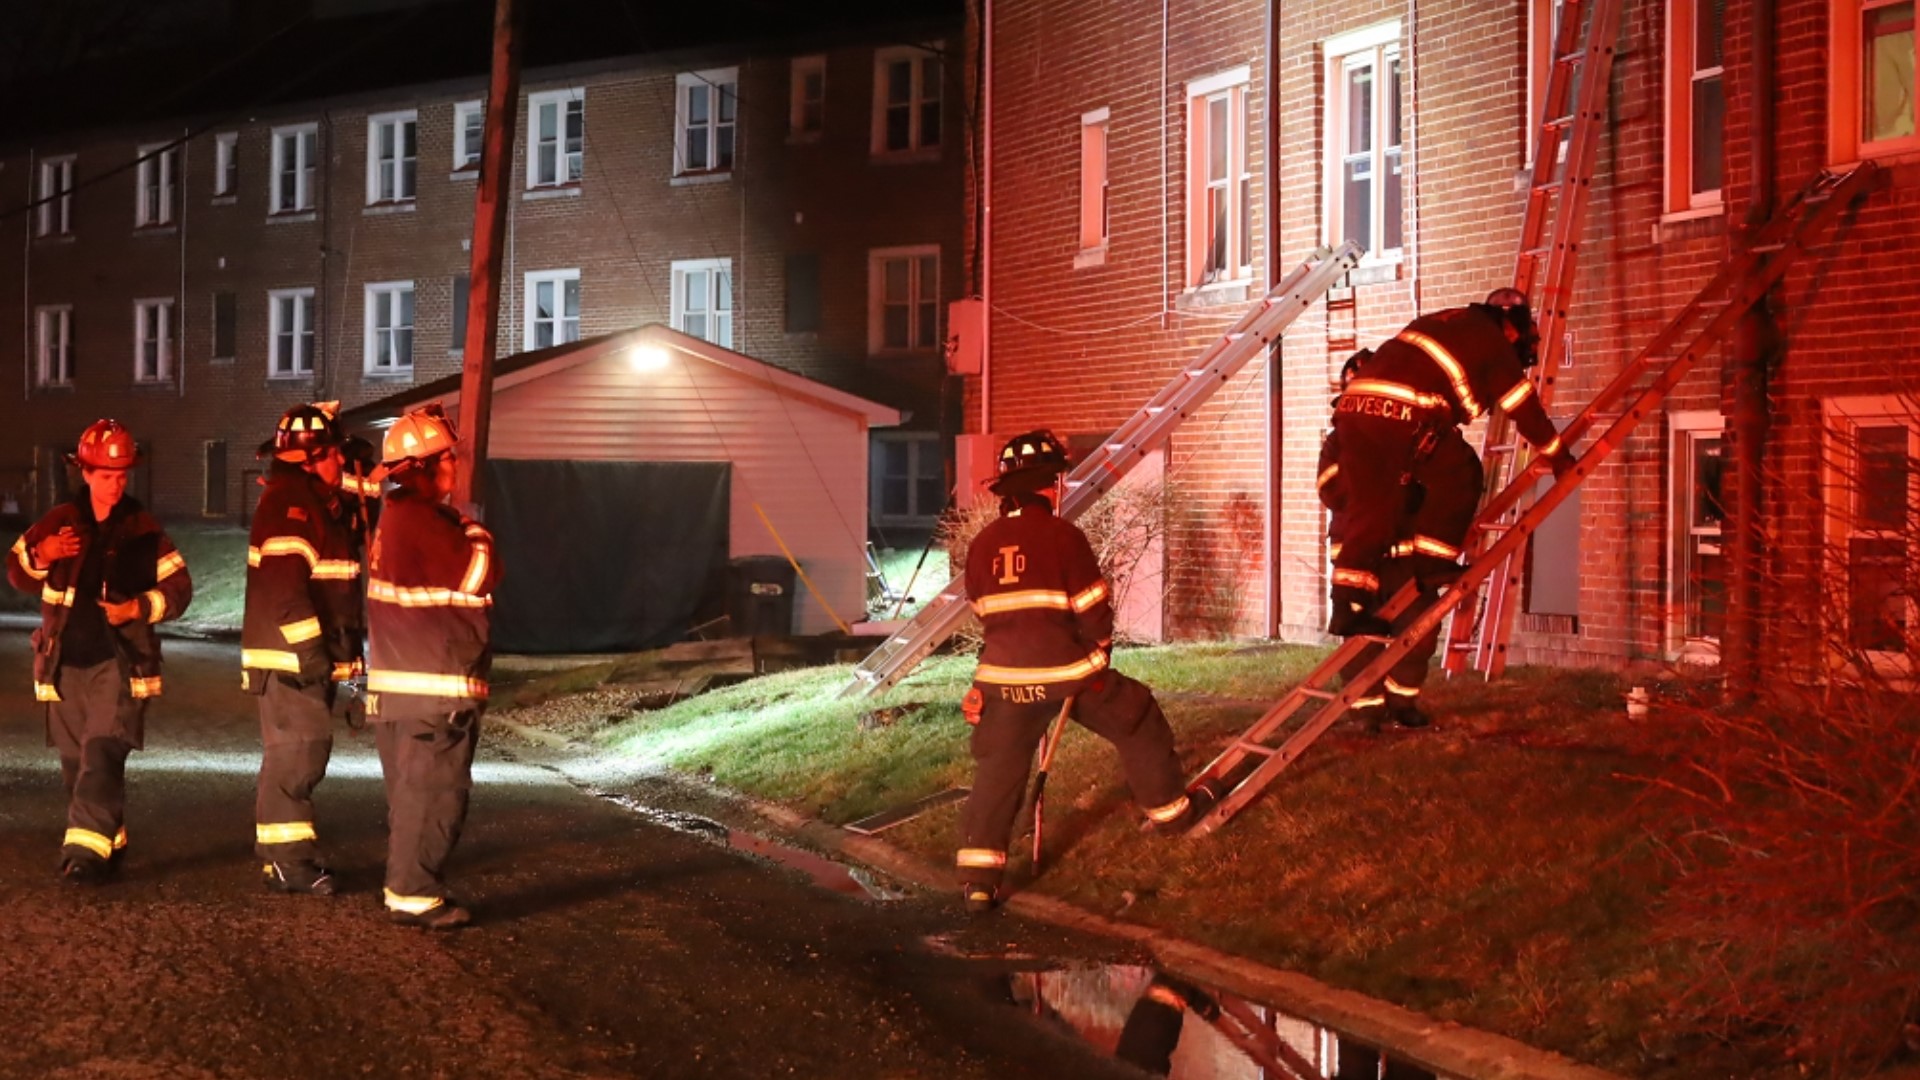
(1497, 870)
(920, 580)
(217, 558)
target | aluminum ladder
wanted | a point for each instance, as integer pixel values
(1241, 772)
(1566, 143)
(1145, 432)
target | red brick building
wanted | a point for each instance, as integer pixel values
(1151, 167)
(798, 200)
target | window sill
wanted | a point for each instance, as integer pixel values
(1376, 270)
(802, 138)
(290, 217)
(380, 209)
(1093, 256)
(289, 377)
(552, 191)
(220, 361)
(919, 156)
(1678, 225)
(1214, 294)
(150, 386)
(224, 200)
(54, 388)
(54, 238)
(388, 376)
(717, 176)
(470, 172)
(162, 229)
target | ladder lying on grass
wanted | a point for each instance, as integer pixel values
(1145, 432)
(1245, 768)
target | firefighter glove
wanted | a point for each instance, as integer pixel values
(972, 704)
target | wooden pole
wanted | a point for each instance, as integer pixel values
(483, 277)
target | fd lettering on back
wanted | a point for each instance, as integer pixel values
(1009, 565)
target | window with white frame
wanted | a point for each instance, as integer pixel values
(807, 97)
(1363, 181)
(703, 299)
(909, 478)
(391, 164)
(1872, 104)
(906, 100)
(289, 333)
(1697, 579)
(553, 308)
(152, 340)
(226, 164)
(556, 141)
(705, 116)
(1219, 184)
(53, 345)
(56, 197)
(903, 300)
(1871, 484)
(295, 154)
(1696, 104)
(153, 186)
(1093, 180)
(469, 133)
(389, 328)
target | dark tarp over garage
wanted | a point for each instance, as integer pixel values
(605, 556)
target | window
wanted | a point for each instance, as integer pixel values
(557, 141)
(390, 157)
(294, 152)
(803, 292)
(909, 478)
(152, 340)
(703, 299)
(153, 190)
(213, 493)
(1697, 580)
(1871, 98)
(1219, 187)
(906, 100)
(457, 336)
(389, 333)
(226, 164)
(1363, 140)
(706, 113)
(553, 308)
(1696, 104)
(290, 333)
(53, 345)
(1871, 497)
(224, 316)
(903, 300)
(56, 197)
(807, 94)
(469, 134)
(1093, 180)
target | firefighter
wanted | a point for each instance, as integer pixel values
(302, 635)
(1048, 624)
(1331, 489)
(431, 574)
(1413, 483)
(107, 574)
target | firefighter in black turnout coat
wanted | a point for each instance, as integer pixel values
(1048, 624)
(301, 636)
(1412, 483)
(107, 574)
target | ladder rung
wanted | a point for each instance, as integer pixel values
(1462, 646)
(1247, 747)
(1559, 122)
(1767, 249)
(1574, 57)
(1500, 448)
(1317, 695)
(1493, 526)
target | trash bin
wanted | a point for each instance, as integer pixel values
(760, 596)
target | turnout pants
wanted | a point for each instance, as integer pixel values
(296, 739)
(428, 768)
(1014, 719)
(94, 726)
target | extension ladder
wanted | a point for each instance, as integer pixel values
(1246, 767)
(1145, 432)
(1570, 122)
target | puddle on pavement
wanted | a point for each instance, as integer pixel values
(824, 872)
(1178, 1029)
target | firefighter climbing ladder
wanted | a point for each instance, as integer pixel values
(1245, 768)
(1142, 434)
(1565, 144)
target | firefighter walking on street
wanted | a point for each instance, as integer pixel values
(1048, 624)
(301, 636)
(1413, 485)
(107, 574)
(431, 575)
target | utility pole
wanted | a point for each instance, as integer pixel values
(483, 276)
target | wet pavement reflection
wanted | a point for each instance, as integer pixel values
(1174, 1028)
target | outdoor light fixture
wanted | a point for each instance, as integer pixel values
(647, 358)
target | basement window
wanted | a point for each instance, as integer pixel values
(1871, 512)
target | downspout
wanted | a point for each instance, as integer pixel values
(26, 295)
(1757, 347)
(180, 307)
(1166, 308)
(1409, 164)
(986, 217)
(1276, 382)
(322, 318)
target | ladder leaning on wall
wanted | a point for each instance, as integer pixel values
(1146, 431)
(1239, 774)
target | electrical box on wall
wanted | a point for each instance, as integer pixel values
(966, 330)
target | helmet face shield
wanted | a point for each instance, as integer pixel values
(305, 433)
(1511, 308)
(1030, 462)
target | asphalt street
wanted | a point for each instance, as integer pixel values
(605, 944)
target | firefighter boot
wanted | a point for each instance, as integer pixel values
(84, 870)
(1406, 712)
(1200, 800)
(300, 878)
(446, 915)
(1353, 614)
(979, 899)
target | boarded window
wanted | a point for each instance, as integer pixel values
(457, 335)
(223, 325)
(214, 500)
(803, 292)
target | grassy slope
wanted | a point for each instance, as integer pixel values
(217, 558)
(1496, 870)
